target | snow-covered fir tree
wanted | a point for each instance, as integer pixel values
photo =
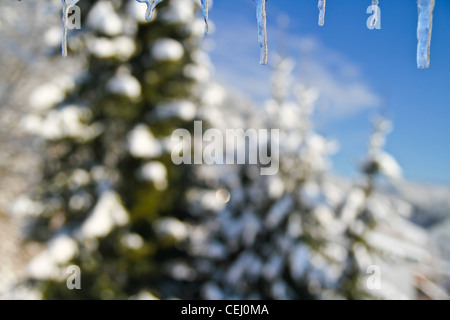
(270, 238)
(112, 202)
(301, 234)
(378, 235)
(110, 199)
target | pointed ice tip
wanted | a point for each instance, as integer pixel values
(263, 61)
(422, 61)
(151, 4)
(263, 54)
(149, 15)
(205, 9)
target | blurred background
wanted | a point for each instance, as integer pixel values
(87, 177)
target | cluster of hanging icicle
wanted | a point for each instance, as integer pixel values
(425, 24)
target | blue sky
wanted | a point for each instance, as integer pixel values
(359, 71)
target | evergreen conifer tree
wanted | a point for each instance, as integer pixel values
(111, 200)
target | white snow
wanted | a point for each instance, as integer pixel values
(68, 121)
(43, 267)
(46, 96)
(142, 143)
(46, 265)
(353, 206)
(126, 85)
(172, 227)
(183, 109)
(397, 247)
(388, 165)
(197, 72)
(103, 18)
(213, 95)
(52, 36)
(275, 187)
(106, 215)
(63, 248)
(132, 241)
(101, 47)
(155, 171)
(136, 11)
(179, 12)
(167, 49)
(122, 47)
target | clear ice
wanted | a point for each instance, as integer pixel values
(67, 4)
(375, 13)
(425, 9)
(262, 29)
(151, 4)
(321, 6)
(205, 7)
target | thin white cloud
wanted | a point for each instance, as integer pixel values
(344, 90)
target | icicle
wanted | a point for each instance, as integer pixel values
(321, 6)
(205, 7)
(151, 4)
(67, 4)
(262, 29)
(375, 15)
(425, 8)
